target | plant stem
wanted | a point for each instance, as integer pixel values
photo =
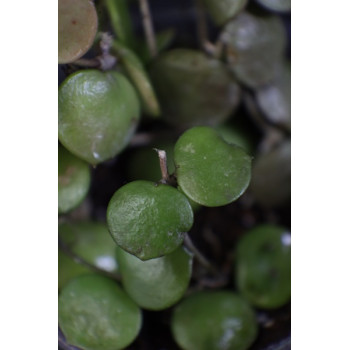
(64, 247)
(141, 139)
(202, 30)
(148, 27)
(200, 257)
(163, 166)
(87, 62)
(105, 61)
(201, 23)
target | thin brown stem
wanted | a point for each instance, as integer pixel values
(148, 27)
(141, 139)
(163, 166)
(201, 22)
(199, 256)
(202, 29)
(65, 248)
(88, 62)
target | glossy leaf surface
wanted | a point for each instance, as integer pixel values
(147, 219)
(210, 171)
(77, 28)
(91, 241)
(193, 89)
(255, 47)
(158, 283)
(97, 114)
(73, 180)
(263, 266)
(222, 10)
(214, 321)
(94, 313)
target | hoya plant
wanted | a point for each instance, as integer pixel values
(173, 175)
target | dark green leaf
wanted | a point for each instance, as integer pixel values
(263, 266)
(210, 171)
(148, 219)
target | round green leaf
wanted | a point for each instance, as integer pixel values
(94, 313)
(92, 242)
(159, 283)
(73, 180)
(276, 5)
(210, 171)
(97, 114)
(263, 267)
(214, 321)
(148, 219)
(222, 10)
(77, 28)
(193, 89)
(255, 47)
